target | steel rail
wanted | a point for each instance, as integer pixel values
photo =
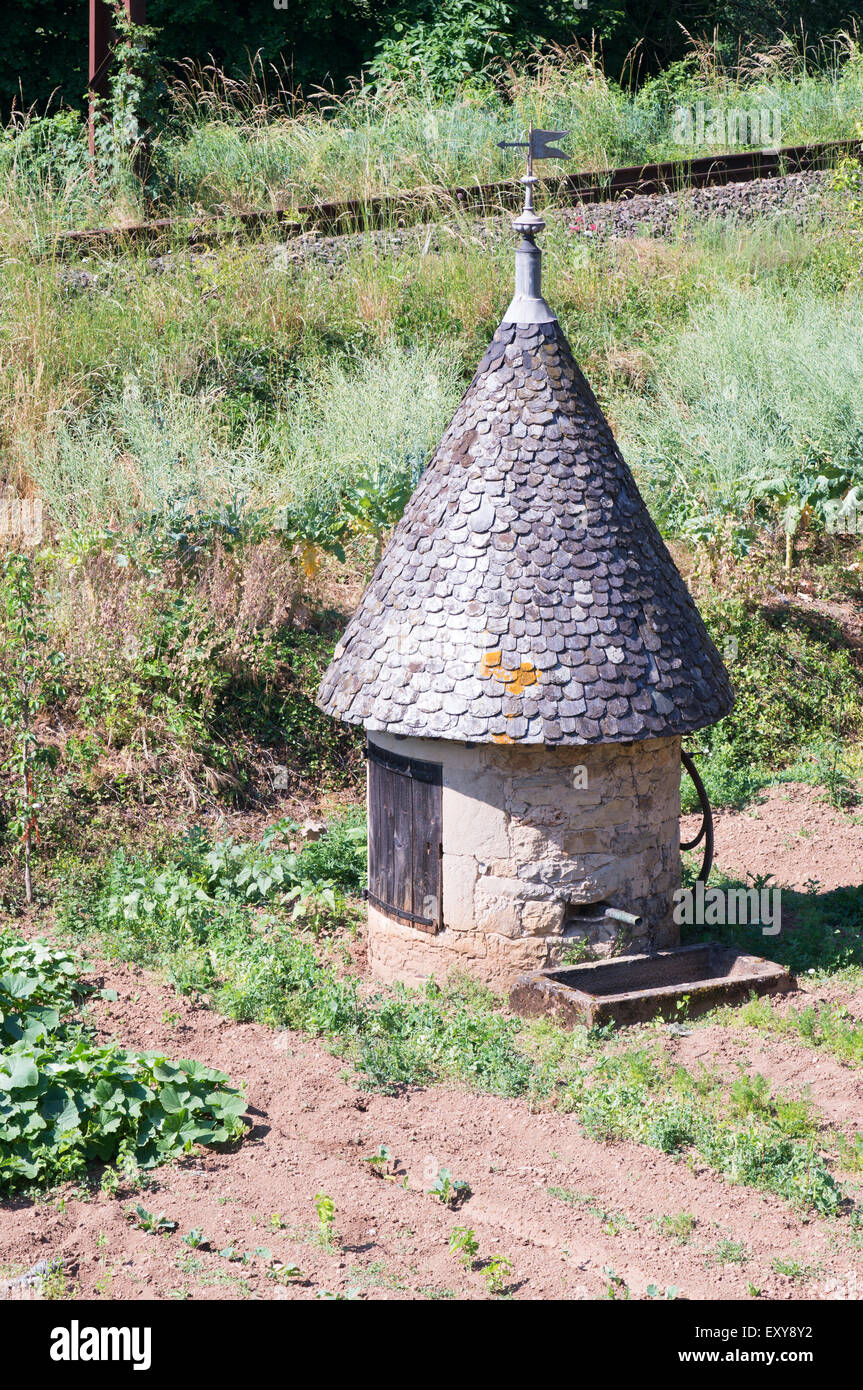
(367, 214)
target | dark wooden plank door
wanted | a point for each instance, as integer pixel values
(405, 805)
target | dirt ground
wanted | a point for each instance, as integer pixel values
(791, 832)
(563, 1209)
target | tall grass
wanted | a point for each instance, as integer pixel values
(379, 415)
(759, 383)
(404, 136)
(227, 146)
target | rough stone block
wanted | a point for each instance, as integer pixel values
(542, 918)
(472, 821)
(459, 881)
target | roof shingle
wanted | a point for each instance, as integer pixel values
(526, 595)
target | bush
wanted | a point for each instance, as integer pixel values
(795, 684)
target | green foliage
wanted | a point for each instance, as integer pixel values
(677, 1226)
(795, 684)
(123, 120)
(149, 1222)
(729, 1252)
(67, 1102)
(821, 931)
(756, 399)
(444, 45)
(49, 152)
(326, 1210)
(828, 1026)
(496, 1272)
(635, 1097)
(450, 1191)
(793, 1269)
(253, 963)
(30, 681)
(38, 985)
(464, 1245)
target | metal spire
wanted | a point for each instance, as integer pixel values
(528, 305)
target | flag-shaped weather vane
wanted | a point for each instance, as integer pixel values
(528, 306)
(539, 145)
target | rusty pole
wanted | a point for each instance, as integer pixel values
(101, 45)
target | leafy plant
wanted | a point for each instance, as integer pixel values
(464, 1244)
(147, 1221)
(30, 680)
(326, 1210)
(67, 1102)
(496, 1272)
(449, 1191)
(616, 1287)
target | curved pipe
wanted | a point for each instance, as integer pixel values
(706, 831)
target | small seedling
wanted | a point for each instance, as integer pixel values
(678, 1226)
(464, 1244)
(326, 1209)
(654, 1291)
(284, 1273)
(146, 1221)
(793, 1269)
(496, 1273)
(276, 1222)
(382, 1163)
(729, 1252)
(617, 1287)
(195, 1238)
(234, 1255)
(449, 1190)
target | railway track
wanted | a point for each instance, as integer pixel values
(360, 215)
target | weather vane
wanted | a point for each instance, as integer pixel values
(539, 146)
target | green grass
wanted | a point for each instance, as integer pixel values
(821, 935)
(798, 688)
(760, 388)
(677, 1226)
(794, 1270)
(728, 1252)
(193, 917)
(827, 1027)
(232, 424)
(224, 148)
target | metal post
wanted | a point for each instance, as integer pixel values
(97, 70)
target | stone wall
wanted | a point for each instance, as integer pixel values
(530, 836)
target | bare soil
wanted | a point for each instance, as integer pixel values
(791, 832)
(562, 1208)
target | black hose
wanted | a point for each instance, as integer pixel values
(706, 831)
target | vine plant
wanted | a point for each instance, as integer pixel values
(123, 120)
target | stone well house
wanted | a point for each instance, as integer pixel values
(525, 662)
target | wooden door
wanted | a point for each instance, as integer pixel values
(405, 799)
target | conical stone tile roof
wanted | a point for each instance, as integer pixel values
(526, 595)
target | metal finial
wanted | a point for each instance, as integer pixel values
(528, 306)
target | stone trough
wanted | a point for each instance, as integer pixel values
(633, 989)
